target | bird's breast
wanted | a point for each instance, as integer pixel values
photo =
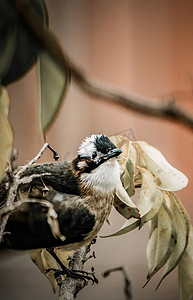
(100, 207)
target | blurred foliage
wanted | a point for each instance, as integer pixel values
(19, 50)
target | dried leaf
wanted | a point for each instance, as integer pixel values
(54, 84)
(123, 196)
(124, 204)
(183, 227)
(148, 203)
(150, 198)
(153, 210)
(151, 247)
(185, 271)
(165, 240)
(167, 177)
(127, 178)
(6, 135)
(44, 261)
(128, 150)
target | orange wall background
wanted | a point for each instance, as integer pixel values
(145, 47)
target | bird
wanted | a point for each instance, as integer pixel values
(81, 192)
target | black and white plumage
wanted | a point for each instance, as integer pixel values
(81, 191)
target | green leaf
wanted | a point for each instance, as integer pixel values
(54, 84)
(6, 135)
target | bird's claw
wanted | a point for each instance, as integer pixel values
(76, 274)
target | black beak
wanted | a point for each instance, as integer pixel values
(113, 153)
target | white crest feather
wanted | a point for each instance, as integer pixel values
(88, 145)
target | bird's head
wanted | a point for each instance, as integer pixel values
(97, 163)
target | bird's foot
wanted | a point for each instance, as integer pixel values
(76, 274)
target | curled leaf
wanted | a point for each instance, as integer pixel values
(124, 204)
(151, 247)
(127, 177)
(150, 198)
(167, 177)
(164, 241)
(183, 227)
(185, 271)
(153, 209)
(146, 203)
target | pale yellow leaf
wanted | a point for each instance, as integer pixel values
(166, 240)
(154, 207)
(148, 203)
(183, 227)
(63, 255)
(167, 177)
(123, 203)
(6, 135)
(128, 150)
(150, 198)
(127, 177)
(123, 196)
(44, 261)
(151, 247)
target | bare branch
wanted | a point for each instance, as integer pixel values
(70, 287)
(127, 288)
(94, 88)
(16, 181)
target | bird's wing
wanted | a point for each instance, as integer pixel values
(57, 175)
(30, 226)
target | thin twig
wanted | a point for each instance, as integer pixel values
(127, 288)
(93, 87)
(16, 181)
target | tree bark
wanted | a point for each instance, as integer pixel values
(69, 288)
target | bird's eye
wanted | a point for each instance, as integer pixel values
(94, 154)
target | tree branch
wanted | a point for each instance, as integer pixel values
(13, 188)
(93, 87)
(70, 287)
(127, 288)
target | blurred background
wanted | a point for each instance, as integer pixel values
(145, 47)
